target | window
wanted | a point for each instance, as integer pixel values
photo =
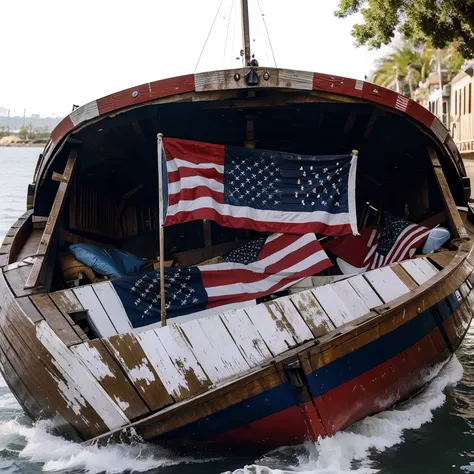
(445, 107)
(455, 102)
(469, 104)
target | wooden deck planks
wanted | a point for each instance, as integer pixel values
(113, 307)
(29, 309)
(404, 276)
(57, 321)
(365, 291)
(273, 330)
(66, 301)
(387, 285)
(333, 305)
(129, 354)
(284, 310)
(214, 348)
(107, 372)
(246, 337)
(97, 316)
(312, 312)
(420, 270)
(185, 377)
(351, 298)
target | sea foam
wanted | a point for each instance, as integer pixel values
(349, 451)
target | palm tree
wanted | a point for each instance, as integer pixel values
(409, 64)
(402, 69)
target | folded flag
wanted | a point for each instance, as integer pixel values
(354, 249)
(267, 191)
(377, 246)
(397, 242)
(256, 269)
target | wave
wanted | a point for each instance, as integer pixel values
(9, 402)
(56, 454)
(349, 451)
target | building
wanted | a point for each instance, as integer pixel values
(462, 124)
(428, 94)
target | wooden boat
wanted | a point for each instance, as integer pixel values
(303, 365)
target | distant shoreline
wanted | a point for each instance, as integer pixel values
(14, 141)
(24, 145)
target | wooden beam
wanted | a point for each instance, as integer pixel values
(59, 177)
(58, 204)
(457, 227)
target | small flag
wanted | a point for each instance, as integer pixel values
(379, 246)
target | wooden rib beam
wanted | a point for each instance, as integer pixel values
(455, 221)
(34, 276)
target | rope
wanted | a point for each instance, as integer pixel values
(233, 37)
(227, 31)
(268, 34)
(209, 34)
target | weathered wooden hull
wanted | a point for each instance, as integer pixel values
(314, 389)
(366, 372)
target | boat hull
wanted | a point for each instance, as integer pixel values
(367, 380)
(314, 389)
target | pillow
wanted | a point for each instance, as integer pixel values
(128, 261)
(106, 262)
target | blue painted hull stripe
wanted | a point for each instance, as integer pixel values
(320, 381)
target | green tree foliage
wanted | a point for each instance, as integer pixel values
(23, 133)
(408, 64)
(402, 69)
(440, 21)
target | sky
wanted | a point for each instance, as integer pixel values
(56, 53)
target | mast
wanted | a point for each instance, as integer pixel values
(245, 31)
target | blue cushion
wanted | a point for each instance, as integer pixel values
(128, 261)
(106, 262)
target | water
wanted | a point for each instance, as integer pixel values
(433, 432)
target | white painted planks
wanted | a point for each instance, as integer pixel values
(246, 337)
(351, 298)
(333, 305)
(284, 310)
(92, 359)
(386, 283)
(274, 332)
(98, 318)
(173, 360)
(82, 385)
(365, 291)
(312, 312)
(419, 269)
(113, 307)
(214, 348)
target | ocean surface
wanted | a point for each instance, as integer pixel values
(431, 433)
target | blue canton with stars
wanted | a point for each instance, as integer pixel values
(269, 180)
(394, 226)
(184, 290)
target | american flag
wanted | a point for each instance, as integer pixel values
(398, 241)
(256, 269)
(267, 191)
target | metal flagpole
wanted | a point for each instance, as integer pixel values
(162, 232)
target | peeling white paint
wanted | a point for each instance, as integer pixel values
(142, 372)
(92, 359)
(80, 379)
(122, 404)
